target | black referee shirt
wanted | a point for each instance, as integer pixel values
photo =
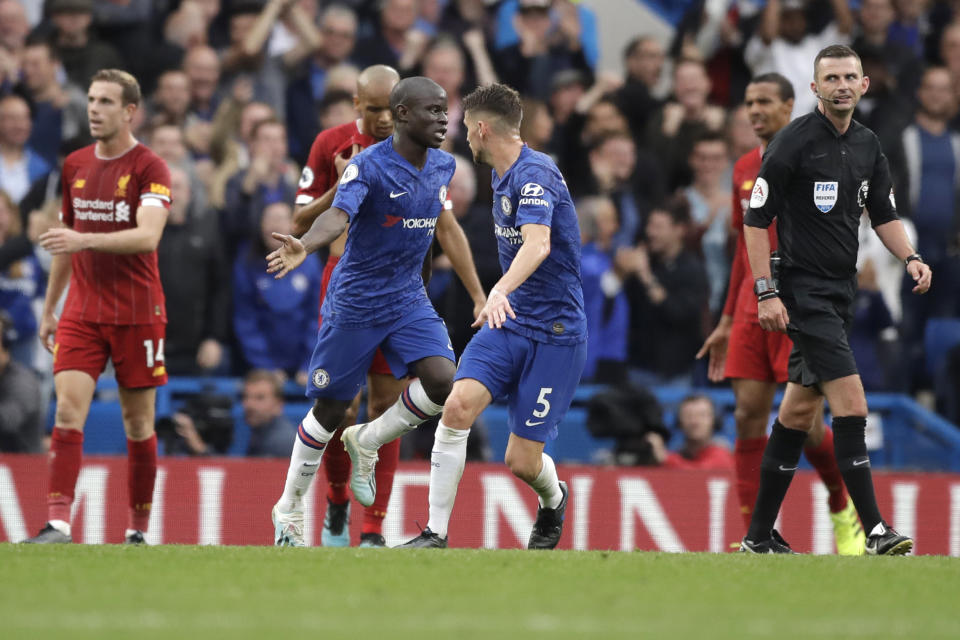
(816, 182)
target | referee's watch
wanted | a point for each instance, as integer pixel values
(912, 257)
(764, 289)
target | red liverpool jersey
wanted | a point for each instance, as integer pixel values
(320, 173)
(101, 196)
(741, 302)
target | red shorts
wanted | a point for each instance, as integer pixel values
(136, 351)
(379, 365)
(755, 354)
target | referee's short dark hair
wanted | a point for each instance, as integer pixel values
(835, 51)
(784, 86)
(499, 100)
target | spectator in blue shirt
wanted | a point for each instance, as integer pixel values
(20, 284)
(605, 303)
(275, 321)
(266, 181)
(20, 165)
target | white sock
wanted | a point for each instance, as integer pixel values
(308, 448)
(547, 485)
(446, 467)
(411, 409)
(61, 526)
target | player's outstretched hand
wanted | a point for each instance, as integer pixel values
(922, 274)
(773, 315)
(495, 312)
(287, 258)
(62, 240)
(47, 331)
(716, 347)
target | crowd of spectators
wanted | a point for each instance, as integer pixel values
(236, 90)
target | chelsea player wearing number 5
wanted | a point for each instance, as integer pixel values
(533, 347)
(394, 195)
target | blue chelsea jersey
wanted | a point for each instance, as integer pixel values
(549, 304)
(393, 209)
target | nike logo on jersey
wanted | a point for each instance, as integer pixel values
(530, 423)
(391, 220)
(397, 195)
(858, 463)
(783, 468)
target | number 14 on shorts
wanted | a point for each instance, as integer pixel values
(543, 407)
(154, 355)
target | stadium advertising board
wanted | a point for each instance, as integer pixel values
(228, 501)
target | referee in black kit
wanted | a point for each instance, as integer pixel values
(818, 174)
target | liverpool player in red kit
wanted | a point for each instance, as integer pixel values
(329, 155)
(756, 360)
(116, 194)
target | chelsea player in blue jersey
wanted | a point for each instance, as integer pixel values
(533, 346)
(394, 196)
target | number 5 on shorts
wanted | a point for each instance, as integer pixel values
(542, 400)
(154, 356)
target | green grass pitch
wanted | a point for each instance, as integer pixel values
(82, 591)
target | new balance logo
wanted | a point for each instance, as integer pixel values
(397, 195)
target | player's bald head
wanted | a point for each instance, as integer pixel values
(411, 91)
(378, 80)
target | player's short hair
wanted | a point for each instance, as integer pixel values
(499, 100)
(129, 87)
(272, 120)
(784, 86)
(265, 375)
(835, 51)
(331, 98)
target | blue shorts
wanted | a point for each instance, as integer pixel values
(539, 379)
(342, 357)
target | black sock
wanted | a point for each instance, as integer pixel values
(777, 467)
(850, 447)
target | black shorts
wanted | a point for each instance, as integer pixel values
(821, 315)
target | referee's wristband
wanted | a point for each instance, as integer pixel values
(767, 295)
(912, 257)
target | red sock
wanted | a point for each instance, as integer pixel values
(386, 468)
(824, 461)
(141, 475)
(66, 454)
(747, 454)
(336, 464)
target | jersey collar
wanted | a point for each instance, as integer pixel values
(829, 125)
(524, 152)
(403, 162)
